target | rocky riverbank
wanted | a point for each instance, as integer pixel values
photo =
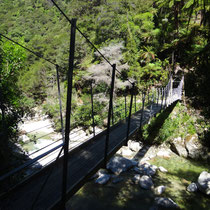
(146, 177)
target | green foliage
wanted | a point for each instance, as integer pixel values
(181, 173)
(150, 32)
(12, 62)
(12, 102)
(167, 127)
(33, 82)
(179, 124)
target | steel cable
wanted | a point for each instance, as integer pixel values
(86, 38)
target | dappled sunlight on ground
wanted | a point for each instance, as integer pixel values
(181, 173)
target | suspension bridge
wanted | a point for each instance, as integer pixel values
(52, 185)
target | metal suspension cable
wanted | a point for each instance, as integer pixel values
(39, 128)
(62, 12)
(28, 163)
(29, 50)
(101, 54)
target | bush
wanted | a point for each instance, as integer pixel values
(166, 128)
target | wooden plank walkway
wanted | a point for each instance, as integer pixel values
(84, 161)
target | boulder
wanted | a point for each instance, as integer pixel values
(178, 146)
(164, 154)
(162, 169)
(126, 152)
(94, 176)
(120, 164)
(137, 169)
(146, 182)
(136, 178)
(192, 187)
(24, 138)
(147, 169)
(99, 173)
(204, 182)
(144, 160)
(102, 179)
(134, 146)
(159, 190)
(165, 202)
(193, 146)
(148, 152)
(204, 154)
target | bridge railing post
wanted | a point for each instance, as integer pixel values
(92, 108)
(162, 96)
(166, 95)
(142, 112)
(155, 99)
(109, 115)
(130, 112)
(135, 101)
(125, 106)
(68, 112)
(112, 114)
(150, 108)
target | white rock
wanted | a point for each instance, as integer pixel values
(164, 154)
(166, 202)
(126, 152)
(178, 146)
(102, 171)
(146, 182)
(162, 169)
(193, 146)
(24, 138)
(102, 179)
(204, 182)
(136, 178)
(120, 164)
(159, 190)
(144, 160)
(192, 187)
(134, 146)
(147, 169)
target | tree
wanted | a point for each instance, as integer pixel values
(11, 63)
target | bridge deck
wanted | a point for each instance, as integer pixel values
(84, 161)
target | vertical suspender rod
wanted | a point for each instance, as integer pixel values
(109, 115)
